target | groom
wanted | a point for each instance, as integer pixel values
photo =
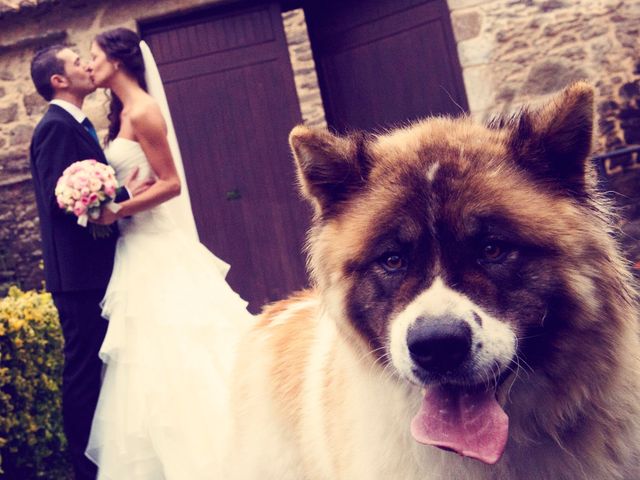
(77, 266)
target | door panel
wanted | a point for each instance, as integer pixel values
(386, 62)
(230, 88)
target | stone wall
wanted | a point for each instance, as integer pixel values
(304, 68)
(522, 51)
(20, 109)
(20, 253)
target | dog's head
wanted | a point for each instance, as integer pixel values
(459, 254)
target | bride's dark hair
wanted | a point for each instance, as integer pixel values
(123, 45)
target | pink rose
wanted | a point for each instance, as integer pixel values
(79, 209)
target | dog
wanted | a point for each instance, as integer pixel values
(470, 315)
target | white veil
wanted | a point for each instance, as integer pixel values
(179, 207)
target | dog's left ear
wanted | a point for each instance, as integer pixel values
(331, 168)
(554, 142)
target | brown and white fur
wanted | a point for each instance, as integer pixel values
(499, 227)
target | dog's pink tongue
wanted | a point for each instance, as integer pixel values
(471, 423)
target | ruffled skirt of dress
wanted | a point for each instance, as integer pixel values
(173, 326)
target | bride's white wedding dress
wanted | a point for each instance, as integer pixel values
(173, 325)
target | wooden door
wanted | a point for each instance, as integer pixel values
(384, 62)
(229, 85)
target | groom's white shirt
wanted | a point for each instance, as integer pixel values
(74, 111)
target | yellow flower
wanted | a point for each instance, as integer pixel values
(15, 324)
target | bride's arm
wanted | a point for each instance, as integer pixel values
(150, 130)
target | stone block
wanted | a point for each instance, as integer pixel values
(630, 90)
(606, 126)
(475, 52)
(458, 4)
(575, 53)
(14, 162)
(549, 5)
(466, 25)
(506, 94)
(304, 57)
(504, 36)
(34, 104)
(479, 87)
(9, 114)
(21, 135)
(607, 107)
(550, 76)
(594, 30)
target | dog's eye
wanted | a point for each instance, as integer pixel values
(393, 262)
(493, 252)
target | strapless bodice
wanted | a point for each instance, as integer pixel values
(124, 155)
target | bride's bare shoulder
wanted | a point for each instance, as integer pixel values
(145, 113)
(144, 106)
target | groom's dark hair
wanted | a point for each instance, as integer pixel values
(44, 65)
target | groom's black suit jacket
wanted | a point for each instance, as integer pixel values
(73, 259)
(77, 270)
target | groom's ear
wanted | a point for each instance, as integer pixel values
(58, 81)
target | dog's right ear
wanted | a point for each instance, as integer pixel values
(553, 142)
(331, 168)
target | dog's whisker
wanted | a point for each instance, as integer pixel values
(462, 110)
(528, 367)
(513, 381)
(373, 352)
(528, 337)
(519, 364)
(519, 358)
(544, 317)
(496, 377)
(516, 371)
(388, 372)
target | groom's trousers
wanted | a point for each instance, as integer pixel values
(83, 328)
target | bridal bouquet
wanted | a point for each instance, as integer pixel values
(84, 188)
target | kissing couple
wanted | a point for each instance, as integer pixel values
(145, 393)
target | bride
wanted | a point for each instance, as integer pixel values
(173, 320)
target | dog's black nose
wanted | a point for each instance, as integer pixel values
(439, 344)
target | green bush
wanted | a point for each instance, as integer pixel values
(32, 443)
